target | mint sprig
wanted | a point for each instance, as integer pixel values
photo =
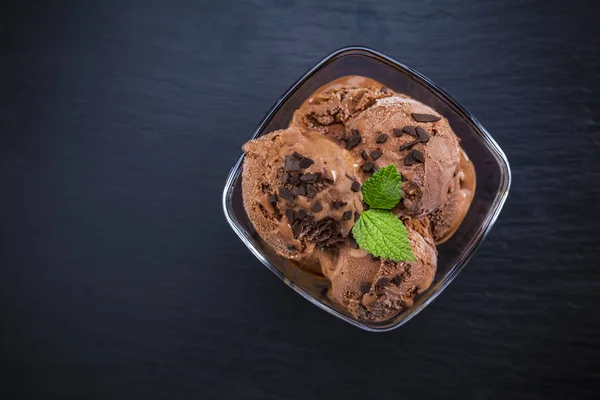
(378, 231)
(382, 190)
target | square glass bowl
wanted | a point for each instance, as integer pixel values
(491, 167)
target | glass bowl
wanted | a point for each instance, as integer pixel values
(491, 166)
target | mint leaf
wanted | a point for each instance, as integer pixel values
(383, 234)
(382, 190)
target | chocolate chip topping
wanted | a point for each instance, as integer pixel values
(295, 180)
(425, 117)
(273, 198)
(422, 134)
(311, 191)
(297, 155)
(286, 194)
(353, 141)
(301, 213)
(409, 145)
(306, 162)
(418, 156)
(354, 132)
(339, 204)
(324, 233)
(397, 280)
(308, 178)
(410, 130)
(356, 216)
(397, 132)
(302, 189)
(383, 281)
(347, 215)
(317, 206)
(376, 154)
(352, 243)
(291, 164)
(365, 287)
(355, 186)
(414, 156)
(367, 167)
(364, 155)
(366, 206)
(381, 138)
(290, 214)
(285, 177)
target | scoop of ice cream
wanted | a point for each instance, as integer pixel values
(300, 191)
(332, 105)
(448, 218)
(375, 289)
(402, 131)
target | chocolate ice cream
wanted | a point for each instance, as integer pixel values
(302, 189)
(375, 289)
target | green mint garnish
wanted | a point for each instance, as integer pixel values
(382, 190)
(378, 231)
(383, 234)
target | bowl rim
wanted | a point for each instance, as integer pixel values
(484, 228)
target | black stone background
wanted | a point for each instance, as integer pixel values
(120, 278)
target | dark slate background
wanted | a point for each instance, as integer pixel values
(119, 277)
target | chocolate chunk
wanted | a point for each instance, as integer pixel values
(367, 167)
(383, 281)
(353, 142)
(356, 216)
(425, 117)
(354, 132)
(349, 177)
(285, 177)
(418, 156)
(397, 280)
(365, 287)
(308, 178)
(297, 228)
(409, 159)
(403, 178)
(422, 134)
(397, 132)
(295, 180)
(352, 243)
(347, 215)
(376, 154)
(290, 214)
(382, 138)
(410, 130)
(317, 206)
(286, 194)
(355, 187)
(302, 189)
(317, 176)
(366, 206)
(291, 164)
(297, 155)
(306, 162)
(364, 155)
(273, 198)
(339, 204)
(295, 191)
(301, 213)
(409, 144)
(311, 191)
